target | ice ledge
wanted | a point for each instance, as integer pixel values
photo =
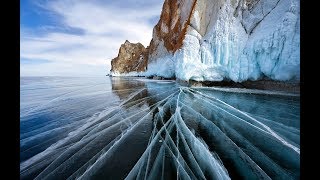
(292, 87)
(132, 73)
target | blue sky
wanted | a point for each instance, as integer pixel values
(80, 37)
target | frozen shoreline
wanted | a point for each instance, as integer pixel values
(265, 84)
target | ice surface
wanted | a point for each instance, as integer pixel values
(136, 128)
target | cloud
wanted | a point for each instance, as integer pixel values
(86, 36)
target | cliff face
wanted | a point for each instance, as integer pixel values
(168, 36)
(241, 40)
(131, 58)
(170, 30)
(206, 40)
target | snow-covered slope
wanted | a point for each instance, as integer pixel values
(213, 40)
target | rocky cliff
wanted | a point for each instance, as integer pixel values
(239, 40)
(131, 58)
(215, 40)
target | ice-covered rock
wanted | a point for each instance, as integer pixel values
(241, 40)
(131, 61)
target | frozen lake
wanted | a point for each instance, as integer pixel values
(136, 128)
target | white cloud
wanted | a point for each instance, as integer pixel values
(103, 28)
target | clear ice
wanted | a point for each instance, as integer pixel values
(148, 129)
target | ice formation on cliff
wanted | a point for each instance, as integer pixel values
(233, 39)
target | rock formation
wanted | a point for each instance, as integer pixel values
(131, 58)
(239, 40)
(215, 40)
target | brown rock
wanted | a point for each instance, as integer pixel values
(131, 57)
(172, 26)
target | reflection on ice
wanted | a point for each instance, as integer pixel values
(141, 129)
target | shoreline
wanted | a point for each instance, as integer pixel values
(264, 84)
(270, 85)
